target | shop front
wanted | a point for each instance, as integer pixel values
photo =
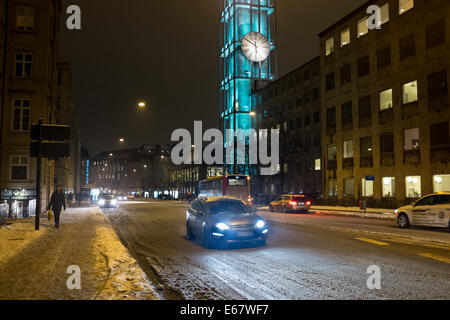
(21, 203)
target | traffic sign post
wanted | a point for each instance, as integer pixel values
(54, 147)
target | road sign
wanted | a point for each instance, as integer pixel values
(50, 150)
(50, 132)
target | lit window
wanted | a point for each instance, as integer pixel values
(363, 28)
(385, 13)
(386, 100)
(405, 5)
(21, 115)
(367, 187)
(410, 92)
(345, 37)
(388, 187)
(332, 187)
(348, 149)
(318, 165)
(329, 46)
(19, 168)
(441, 183)
(413, 187)
(349, 189)
(25, 20)
(412, 139)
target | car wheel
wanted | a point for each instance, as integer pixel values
(403, 221)
(207, 239)
(270, 208)
(189, 233)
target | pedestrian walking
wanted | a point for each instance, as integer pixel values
(57, 203)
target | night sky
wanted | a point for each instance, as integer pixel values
(166, 53)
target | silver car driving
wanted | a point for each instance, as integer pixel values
(223, 220)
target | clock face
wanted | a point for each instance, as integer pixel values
(255, 46)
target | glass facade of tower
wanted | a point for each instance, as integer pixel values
(238, 75)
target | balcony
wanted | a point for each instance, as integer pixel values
(347, 126)
(387, 159)
(365, 122)
(385, 116)
(438, 103)
(332, 164)
(331, 128)
(366, 162)
(348, 163)
(440, 153)
(411, 157)
(409, 110)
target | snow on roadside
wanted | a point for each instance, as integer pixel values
(33, 264)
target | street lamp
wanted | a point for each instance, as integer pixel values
(121, 140)
(252, 113)
(142, 104)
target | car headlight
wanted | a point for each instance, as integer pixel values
(222, 226)
(114, 202)
(396, 211)
(101, 202)
(260, 224)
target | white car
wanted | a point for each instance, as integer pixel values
(432, 210)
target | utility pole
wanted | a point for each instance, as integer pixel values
(38, 176)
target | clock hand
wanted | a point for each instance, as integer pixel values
(249, 41)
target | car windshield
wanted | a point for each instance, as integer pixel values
(108, 197)
(227, 206)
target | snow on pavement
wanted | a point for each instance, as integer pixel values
(33, 264)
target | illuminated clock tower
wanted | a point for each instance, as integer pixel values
(247, 60)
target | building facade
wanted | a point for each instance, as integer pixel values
(385, 103)
(292, 105)
(29, 53)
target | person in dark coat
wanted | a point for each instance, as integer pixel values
(57, 202)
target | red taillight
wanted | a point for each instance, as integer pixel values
(292, 203)
(308, 203)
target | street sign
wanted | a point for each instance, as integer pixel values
(370, 178)
(50, 150)
(50, 132)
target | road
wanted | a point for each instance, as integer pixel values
(317, 257)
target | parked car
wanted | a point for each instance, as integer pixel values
(290, 203)
(165, 197)
(223, 220)
(107, 201)
(432, 210)
(131, 197)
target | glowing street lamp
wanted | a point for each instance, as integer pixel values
(253, 113)
(142, 104)
(121, 140)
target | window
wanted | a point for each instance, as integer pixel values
(21, 115)
(307, 75)
(440, 134)
(348, 149)
(411, 139)
(329, 46)
(331, 116)
(410, 92)
(346, 74)
(332, 187)
(19, 168)
(316, 94)
(331, 152)
(298, 102)
(329, 81)
(299, 123)
(23, 65)
(362, 27)
(366, 147)
(435, 33)
(388, 189)
(384, 13)
(25, 20)
(316, 117)
(386, 100)
(413, 187)
(347, 113)
(405, 5)
(307, 120)
(317, 141)
(307, 98)
(317, 165)
(364, 108)
(437, 84)
(441, 183)
(345, 37)
(363, 66)
(407, 46)
(349, 188)
(387, 143)
(384, 57)
(367, 187)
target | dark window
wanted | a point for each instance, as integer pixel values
(366, 147)
(316, 117)
(316, 141)
(307, 120)
(364, 108)
(19, 173)
(407, 46)
(435, 33)
(363, 66)
(346, 74)
(316, 94)
(331, 116)
(298, 79)
(347, 113)
(307, 98)
(298, 102)
(440, 134)
(291, 124)
(329, 81)
(307, 75)
(387, 143)
(299, 123)
(384, 57)
(437, 84)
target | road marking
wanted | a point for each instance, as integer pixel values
(373, 241)
(435, 257)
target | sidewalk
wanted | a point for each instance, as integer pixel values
(33, 264)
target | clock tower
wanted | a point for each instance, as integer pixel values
(247, 62)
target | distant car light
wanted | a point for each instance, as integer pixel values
(260, 224)
(292, 203)
(308, 203)
(222, 226)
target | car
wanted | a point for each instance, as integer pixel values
(219, 221)
(165, 197)
(107, 201)
(130, 197)
(290, 203)
(432, 210)
(121, 197)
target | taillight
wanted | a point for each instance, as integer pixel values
(292, 203)
(308, 203)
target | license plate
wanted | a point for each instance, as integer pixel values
(244, 234)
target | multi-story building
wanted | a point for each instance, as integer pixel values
(292, 104)
(29, 42)
(385, 103)
(67, 170)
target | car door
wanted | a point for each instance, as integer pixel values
(423, 211)
(441, 211)
(199, 213)
(275, 203)
(284, 201)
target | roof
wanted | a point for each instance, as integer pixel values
(215, 199)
